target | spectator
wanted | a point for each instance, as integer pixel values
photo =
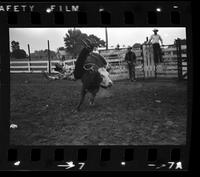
(130, 58)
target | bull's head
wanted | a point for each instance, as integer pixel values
(106, 81)
(103, 71)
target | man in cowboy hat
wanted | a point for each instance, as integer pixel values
(130, 58)
(155, 39)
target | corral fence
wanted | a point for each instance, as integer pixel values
(173, 65)
(174, 61)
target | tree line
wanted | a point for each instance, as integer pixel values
(72, 41)
(72, 45)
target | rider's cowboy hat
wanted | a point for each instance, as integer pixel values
(129, 47)
(155, 29)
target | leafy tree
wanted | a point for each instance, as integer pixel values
(18, 54)
(117, 47)
(73, 41)
(42, 54)
(97, 41)
(15, 45)
(182, 41)
(16, 51)
(137, 45)
(61, 48)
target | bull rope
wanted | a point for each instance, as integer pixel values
(92, 65)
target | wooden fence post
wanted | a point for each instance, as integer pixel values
(179, 58)
(49, 62)
(29, 57)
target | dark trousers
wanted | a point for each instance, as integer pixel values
(157, 53)
(131, 68)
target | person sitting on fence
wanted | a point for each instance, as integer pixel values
(155, 39)
(130, 58)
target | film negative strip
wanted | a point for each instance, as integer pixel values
(134, 59)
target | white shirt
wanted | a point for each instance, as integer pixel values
(155, 39)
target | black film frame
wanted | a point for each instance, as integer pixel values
(96, 158)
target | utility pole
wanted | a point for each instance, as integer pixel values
(106, 33)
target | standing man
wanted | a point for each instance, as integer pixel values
(155, 39)
(130, 58)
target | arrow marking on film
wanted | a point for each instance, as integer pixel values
(68, 165)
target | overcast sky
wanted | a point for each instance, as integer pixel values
(37, 37)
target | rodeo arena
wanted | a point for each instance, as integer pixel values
(151, 110)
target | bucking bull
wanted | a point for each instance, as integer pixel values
(93, 71)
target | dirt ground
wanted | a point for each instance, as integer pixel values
(146, 112)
